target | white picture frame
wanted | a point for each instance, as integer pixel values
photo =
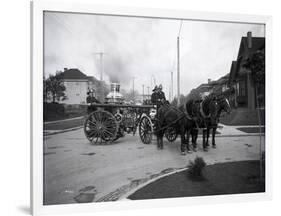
(37, 9)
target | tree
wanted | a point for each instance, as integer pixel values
(256, 65)
(54, 87)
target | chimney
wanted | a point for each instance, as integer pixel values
(65, 69)
(209, 80)
(249, 40)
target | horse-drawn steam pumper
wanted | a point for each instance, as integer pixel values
(112, 119)
(110, 122)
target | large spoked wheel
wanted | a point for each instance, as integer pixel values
(171, 134)
(100, 127)
(145, 129)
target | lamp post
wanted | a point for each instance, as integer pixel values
(178, 70)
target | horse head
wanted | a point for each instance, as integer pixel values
(224, 105)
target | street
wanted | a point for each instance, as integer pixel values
(77, 171)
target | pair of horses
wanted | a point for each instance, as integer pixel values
(187, 119)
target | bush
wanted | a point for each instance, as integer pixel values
(196, 167)
(53, 111)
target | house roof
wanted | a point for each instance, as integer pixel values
(258, 43)
(73, 73)
(232, 71)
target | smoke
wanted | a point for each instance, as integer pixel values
(115, 66)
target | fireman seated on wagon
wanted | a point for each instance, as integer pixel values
(91, 100)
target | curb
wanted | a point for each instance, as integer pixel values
(126, 195)
(64, 120)
(240, 135)
(46, 133)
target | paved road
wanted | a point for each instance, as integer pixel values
(73, 166)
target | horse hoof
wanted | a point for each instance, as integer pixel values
(214, 146)
(189, 152)
(183, 153)
(195, 149)
(205, 149)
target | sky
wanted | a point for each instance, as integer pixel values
(143, 49)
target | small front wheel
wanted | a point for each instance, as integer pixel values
(146, 129)
(171, 134)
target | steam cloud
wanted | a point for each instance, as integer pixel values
(116, 68)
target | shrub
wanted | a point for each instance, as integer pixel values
(196, 167)
(53, 111)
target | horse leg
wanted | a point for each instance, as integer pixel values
(204, 141)
(213, 137)
(158, 140)
(194, 138)
(183, 144)
(162, 135)
(188, 132)
(208, 135)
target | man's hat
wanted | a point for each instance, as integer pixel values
(160, 86)
(155, 88)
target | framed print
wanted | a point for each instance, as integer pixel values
(133, 108)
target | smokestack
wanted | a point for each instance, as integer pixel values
(249, 39)
(209, 80)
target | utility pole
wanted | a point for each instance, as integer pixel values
(154, 81)
(143, 92)
(101, 54)
(133, 88)
(178, 70)
(172, 86)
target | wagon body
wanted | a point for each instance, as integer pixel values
(108, 122)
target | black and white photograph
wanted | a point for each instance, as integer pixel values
(142, 108)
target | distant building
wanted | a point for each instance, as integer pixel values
(77, 85)
(239, 77)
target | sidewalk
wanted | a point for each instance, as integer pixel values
(227, 130)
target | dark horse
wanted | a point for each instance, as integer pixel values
(206, 115)
(168, 115)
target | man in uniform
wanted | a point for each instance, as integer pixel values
(161, 95)
(154, 95)
(90, 101)
(158, 96)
